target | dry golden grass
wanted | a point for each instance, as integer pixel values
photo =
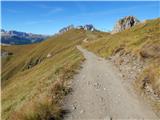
(132, 40)
(47, 106)
(43, 84)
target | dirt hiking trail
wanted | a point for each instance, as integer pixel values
(100, 93)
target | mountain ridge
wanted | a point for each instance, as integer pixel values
(88, 27)
(17, 37)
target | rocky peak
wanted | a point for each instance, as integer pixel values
(125, 23)
(89, 27)
(2, 30)
(65, 29)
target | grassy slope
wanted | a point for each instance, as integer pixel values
(47, 80)
(35, 93)
(143, 41)
(133, 40)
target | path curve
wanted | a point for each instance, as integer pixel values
(99, 93)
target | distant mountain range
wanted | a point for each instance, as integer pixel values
(13, 37)
(16, 37)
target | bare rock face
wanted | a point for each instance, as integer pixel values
(65, 29)
(125, 23)
(89, 27)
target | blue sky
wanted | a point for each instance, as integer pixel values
(50, 16)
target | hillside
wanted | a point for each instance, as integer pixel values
(34, 77)
(135, 51)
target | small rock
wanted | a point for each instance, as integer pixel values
(97, 85)
(82, 111)
(102, 99)
(74, 107)
(49, 55)
(88, 82)
(108, 118)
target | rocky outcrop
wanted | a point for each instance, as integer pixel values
(89, 27)
(125, 23)
(65, 29)
(16, 37)
(5, 53)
